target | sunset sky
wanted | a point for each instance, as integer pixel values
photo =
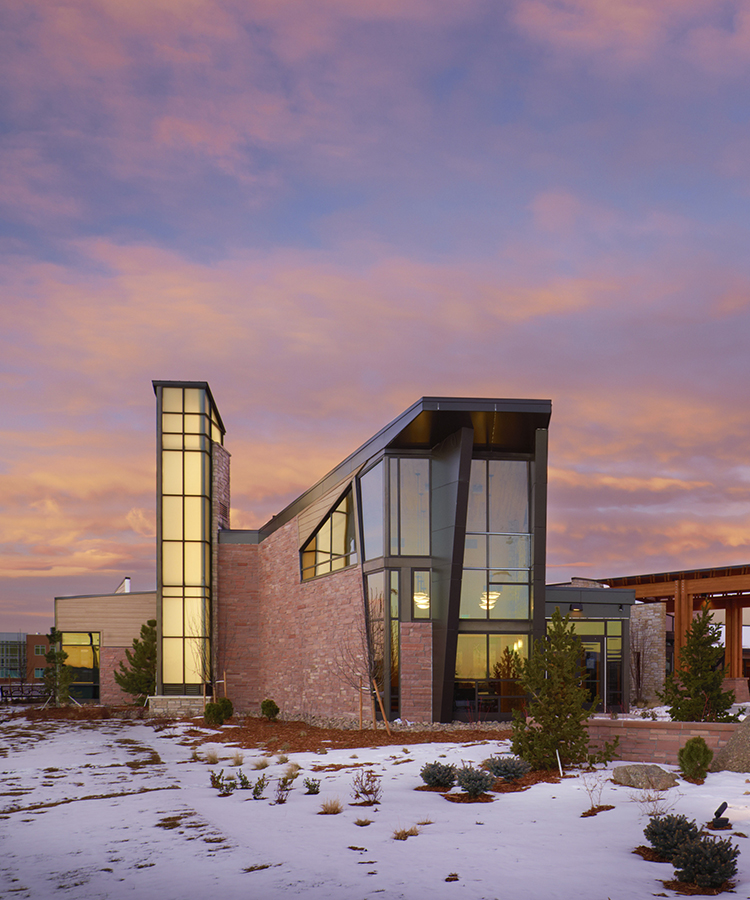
(329, 208)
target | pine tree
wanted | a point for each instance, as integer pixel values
(694, 692)
(553, 679)
(58, 675)
(138, 678)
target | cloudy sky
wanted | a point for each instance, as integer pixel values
(329, 209)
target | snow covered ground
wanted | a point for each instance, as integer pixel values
(116, 810)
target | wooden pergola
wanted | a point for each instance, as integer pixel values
(684, 592)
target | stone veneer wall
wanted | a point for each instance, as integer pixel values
(237, 635)
(416, 671)
(281, 638)
(306, 628)
(648, 637)
(110, 693)
(656, 742)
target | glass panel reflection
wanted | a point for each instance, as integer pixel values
(508, 601)
(332, 547)
(510, 550)
(508, 495)
(371, 488)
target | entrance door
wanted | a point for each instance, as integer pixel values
(593, 668)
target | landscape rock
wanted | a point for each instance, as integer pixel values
(735, 755)
(644, 777)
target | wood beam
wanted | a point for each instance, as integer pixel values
(733, 658)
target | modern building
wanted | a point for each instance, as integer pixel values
(22, 664)
(96, 631)
(418, 561)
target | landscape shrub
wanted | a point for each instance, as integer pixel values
(366, 787)
(283, 787)
(707, 861)
(695, 692)
(438, 775)
(312, 785)
(667, 834)
(474, 781)
(559, 705)
(213, 715)
(695, 758)
(259, 787)
(507, 767)
(226, 707)
(269, 710)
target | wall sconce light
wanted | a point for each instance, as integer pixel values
(576, 608)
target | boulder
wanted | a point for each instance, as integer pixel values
(643, 777)
(734, 756)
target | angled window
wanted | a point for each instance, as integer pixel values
(333, 546)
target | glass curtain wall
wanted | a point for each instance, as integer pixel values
(187, 426)
(495, 590)
(497, 555)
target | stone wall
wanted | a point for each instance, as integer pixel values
(647, 650)
(311, 633)
(656, 742)
(416, 671)
(110, 693)
(175, 707)
(294, 642)
(237, 625)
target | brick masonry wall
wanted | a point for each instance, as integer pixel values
(656, 742)
(648, 637)
(416, 671)
(110, 693)
(306, 631)
(237, 636)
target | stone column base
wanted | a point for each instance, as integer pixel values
(740, 688)
(176, 707)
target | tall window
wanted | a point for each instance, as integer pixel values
(332, 547)
(497, 554)
(188, 425)
(371, 492)
(410, 507)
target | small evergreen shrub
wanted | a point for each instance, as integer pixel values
(213, 715)
(695, 758)
(474, 781)
(269, 710)
(259, 787)
(506, 767)
(244, 781)
(667, 834)
(225, 705)
(312, 785)
(438, 775)
(283, 788)
(707, 861)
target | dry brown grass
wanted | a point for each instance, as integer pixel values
(401, 834)
(330, 807)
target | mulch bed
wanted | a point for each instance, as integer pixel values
(596, 809)
(543, 776)
(465, 798)
(684, 887)
(299, 737)
(650, 855)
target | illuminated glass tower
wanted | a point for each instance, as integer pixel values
(189, 429)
